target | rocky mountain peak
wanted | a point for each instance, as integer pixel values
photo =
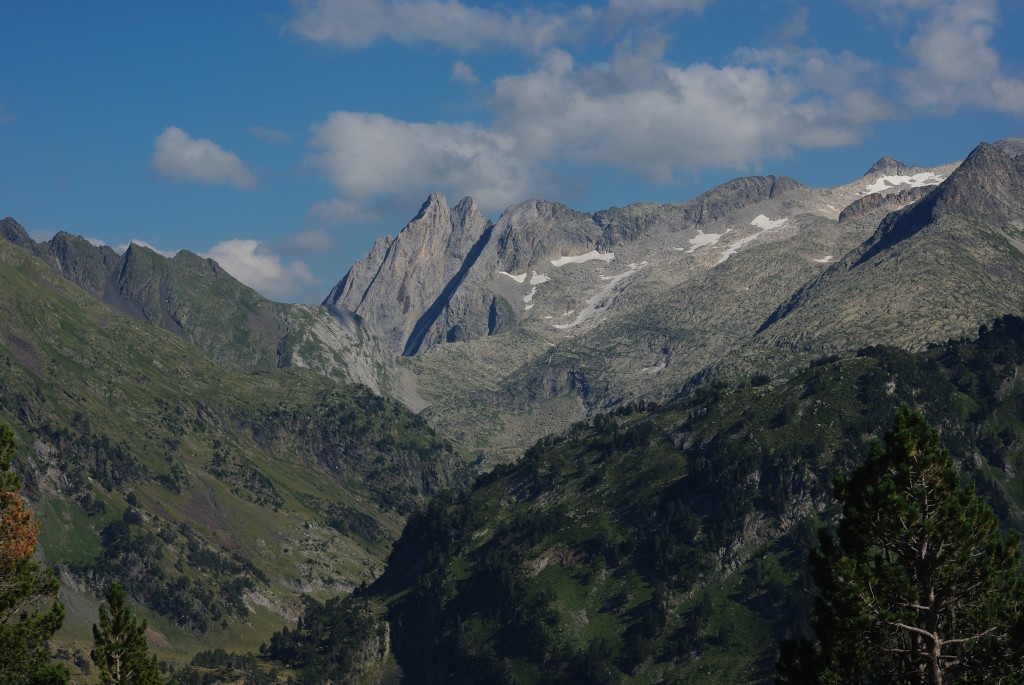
(401, 280)
(988, 185)
(433, 211)
(530, 232)
(15, 233)
(889, 166)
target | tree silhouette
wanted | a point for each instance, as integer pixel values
(25, 625)
(121, 651)
(918, 585)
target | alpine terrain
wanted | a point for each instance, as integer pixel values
(552, 447)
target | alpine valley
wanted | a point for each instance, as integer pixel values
(557, 447)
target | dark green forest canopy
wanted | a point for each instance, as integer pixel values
(671, 540)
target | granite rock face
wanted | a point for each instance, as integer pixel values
(403, 278)
(440, 279)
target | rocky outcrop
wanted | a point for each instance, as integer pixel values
(12, 231)
(437, 281)
(934, 270)
(76, 259)
(624, 224)
(876, 202)
(889, 166)
(402, 279)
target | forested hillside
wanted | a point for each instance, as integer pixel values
(661, 544)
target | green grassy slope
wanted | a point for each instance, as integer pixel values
(217, 497)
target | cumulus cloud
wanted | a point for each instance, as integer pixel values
(462, 27)
(654, 117)
(260, 268)
(371, 154)
(177, 155)
(636, 111)
(954, 62)
(463, 73)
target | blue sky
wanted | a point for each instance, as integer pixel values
(282, 138)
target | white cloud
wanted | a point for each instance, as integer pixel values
(370, 154)
(635, 111)
(640, 112)
(271, 135)
(954, 62)
(463, 73)
(259, 267)
(177, 155)
(462, 27)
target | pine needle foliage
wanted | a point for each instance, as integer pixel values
(918, 584)
(121, 651)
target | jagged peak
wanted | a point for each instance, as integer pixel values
(888, 166)
(466, 204)
(435, 203)
(15, 233)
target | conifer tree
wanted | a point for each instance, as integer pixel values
(918, 585)
(26, 626)
(121, 652)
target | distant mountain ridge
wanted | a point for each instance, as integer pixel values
(196, 299)
(549, 314)
(562, 313)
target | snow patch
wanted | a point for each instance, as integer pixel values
(702, 239)
(916, 181)
(762, 222)
(537, 279)
(521, 278)
(600, 302)
(579, 259)
(528, 297)
(766, 224)
(825, 260)
(528, 307)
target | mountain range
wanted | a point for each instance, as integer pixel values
(222, 455)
